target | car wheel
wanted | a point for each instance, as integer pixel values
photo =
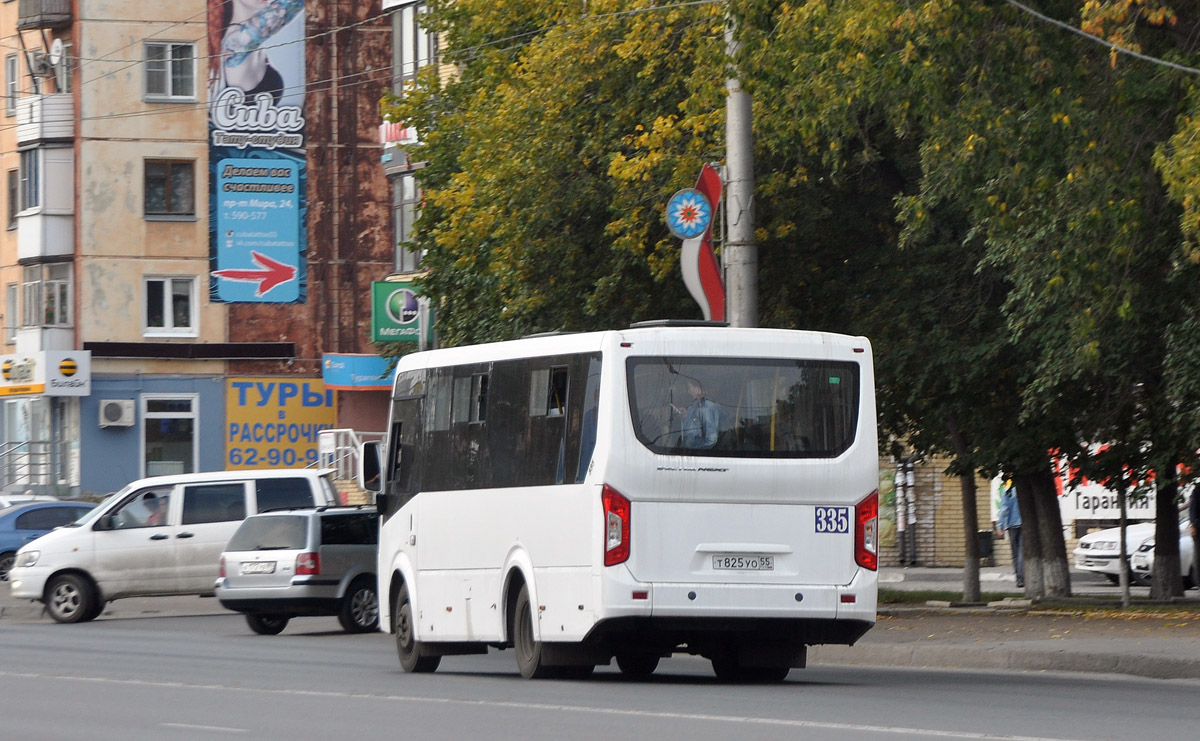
(528, 650)
(6, 563)
(267, 625)
(1113, 578)
(70, 598)
(360, 607)
(412, 656)
(637, 666)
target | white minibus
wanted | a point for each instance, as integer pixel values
(676, 487)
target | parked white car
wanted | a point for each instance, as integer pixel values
(1142, 562)
(157, 536)
(1098, 551)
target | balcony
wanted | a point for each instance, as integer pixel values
(34, 14)
(46, 229)
(45, 118)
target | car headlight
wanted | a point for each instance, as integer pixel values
(27, 558)
(1146, 546)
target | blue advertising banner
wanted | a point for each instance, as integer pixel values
(357, 372)
(257, 167)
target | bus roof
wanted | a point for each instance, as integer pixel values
(652, 340)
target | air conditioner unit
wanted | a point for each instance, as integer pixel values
(116, 412)
(40, 65)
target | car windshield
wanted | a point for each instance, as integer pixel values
(92, 514)
(744, 407)
(284, 532)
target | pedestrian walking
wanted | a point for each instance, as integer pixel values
(1008, 525)
(1194, 520)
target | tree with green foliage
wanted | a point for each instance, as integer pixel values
(550, 154)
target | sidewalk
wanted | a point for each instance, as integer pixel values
(1012, 634)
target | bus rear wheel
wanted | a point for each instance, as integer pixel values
(529, 651)
(637, 665)
(728, 669)
(412, 657)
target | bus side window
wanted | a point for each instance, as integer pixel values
(404, 447)
(395, 453)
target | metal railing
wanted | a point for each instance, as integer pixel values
(338, 449)
(28, 463)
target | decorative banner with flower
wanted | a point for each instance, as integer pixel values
(688, 213)
(690, 218)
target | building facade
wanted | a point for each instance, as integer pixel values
(195, 217)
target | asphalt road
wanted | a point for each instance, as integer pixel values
(136, 675)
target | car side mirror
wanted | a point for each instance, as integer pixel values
(104, 522)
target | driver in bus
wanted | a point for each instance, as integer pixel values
(701, 420)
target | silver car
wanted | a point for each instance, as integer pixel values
(285, 564)
(1142, 562)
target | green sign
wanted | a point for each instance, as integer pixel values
(396, 313)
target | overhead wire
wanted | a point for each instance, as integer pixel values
(171, 108)
(1103, 42)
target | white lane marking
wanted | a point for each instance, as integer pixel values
(543, 707)
(194, 727)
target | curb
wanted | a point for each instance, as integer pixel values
(22, 612)
(968, 657)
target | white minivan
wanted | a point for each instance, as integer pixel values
(157, 536)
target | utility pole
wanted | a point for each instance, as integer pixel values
(740, 253)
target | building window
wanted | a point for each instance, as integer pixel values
(169, 436)
(56, 295)
(30, 179)
(62, 71)
(412, 46)
(170, 188)
(47, 290)
(14, 198)
(10, 313)
(404, 213)
(12, 82)
(170, 71)
(31, 290)
(170, 306)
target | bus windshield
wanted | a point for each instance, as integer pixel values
(744, 407)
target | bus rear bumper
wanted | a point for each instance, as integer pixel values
(812, 614)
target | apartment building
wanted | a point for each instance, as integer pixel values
(195, 217)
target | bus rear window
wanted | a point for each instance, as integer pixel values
(744, 407)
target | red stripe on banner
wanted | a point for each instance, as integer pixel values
(709, 183)
(710, 278)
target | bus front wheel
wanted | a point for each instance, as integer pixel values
(412, 657)
(529, 651)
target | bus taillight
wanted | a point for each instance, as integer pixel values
(616, 526)
(866, 531)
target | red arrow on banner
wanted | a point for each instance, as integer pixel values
(272, 274)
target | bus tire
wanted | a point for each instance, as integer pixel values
(637, 665)
(412, 657)
(529, 651)
(728, 669)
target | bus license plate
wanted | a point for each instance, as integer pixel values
(258, 567)
(730, 562)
